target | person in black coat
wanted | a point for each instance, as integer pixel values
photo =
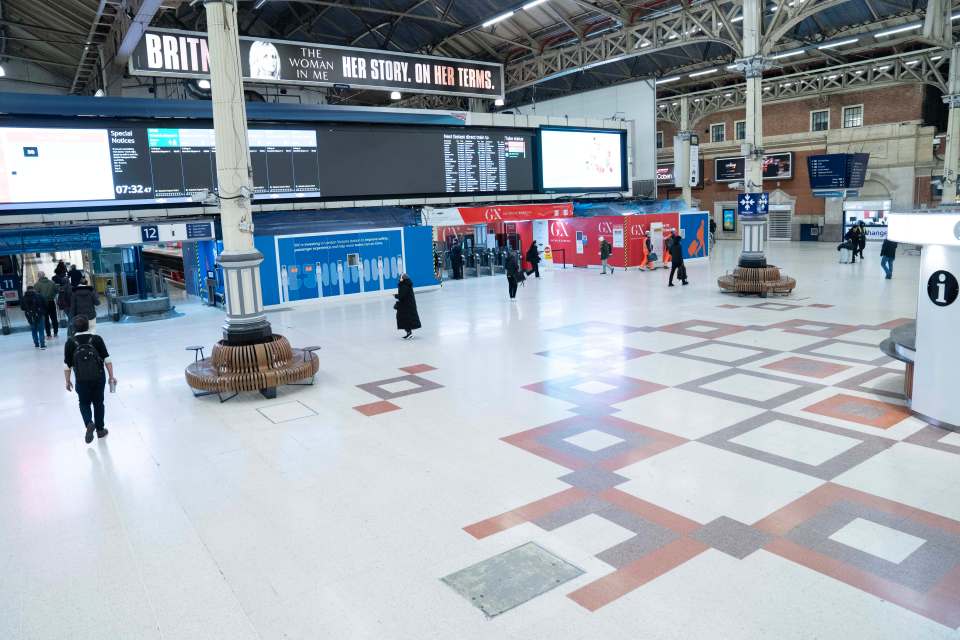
(676, 260)
(853, 238)
(75, 275)
(512, 269)
(456, 261)
(888, 253)
(34, 307)
(533, 257)
(862, 240)
(407, 317)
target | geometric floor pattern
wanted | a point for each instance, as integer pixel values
(810, 415)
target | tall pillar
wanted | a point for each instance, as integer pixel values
(754, 228)
(951, 155)
(246, 321)
(685, 134)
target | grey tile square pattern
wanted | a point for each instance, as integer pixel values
(511, 578)
(731, 537)
(286, 412)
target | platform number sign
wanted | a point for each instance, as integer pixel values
(150, 233)
(942, 288)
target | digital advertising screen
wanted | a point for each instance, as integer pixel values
(776, 166)
(586, 160)
(167, 162)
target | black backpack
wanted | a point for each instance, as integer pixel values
(87, 362)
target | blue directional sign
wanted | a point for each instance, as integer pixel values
(752, 204)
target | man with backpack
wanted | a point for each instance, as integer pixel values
(86, 355)
(35, 309)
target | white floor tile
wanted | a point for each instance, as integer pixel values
(752, 387)
(685, 413)
(852, 351)
(399, 386)
(890, 382)
(286, 411)
(592, 534)
(878, 540)
(669, 370)
(721, 352)
(952, 439)
(803, 444)
(703, 483)
(594, 440)
(594, 387)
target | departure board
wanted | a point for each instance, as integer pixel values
(139, 164)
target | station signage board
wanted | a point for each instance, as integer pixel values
(776, 166)
(837, 170)
(753, 204)
(186, 54)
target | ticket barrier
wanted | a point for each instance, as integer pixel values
(470, 264)
(4, 318)
(113, 304)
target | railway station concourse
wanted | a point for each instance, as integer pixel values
(479, 319)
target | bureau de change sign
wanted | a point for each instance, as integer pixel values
(186, 54)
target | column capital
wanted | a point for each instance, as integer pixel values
(754, 66)
(952, 100)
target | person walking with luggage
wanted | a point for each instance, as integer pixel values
(84, 302)
(676, 260)
(46, 288)
(512, 268)
(605, 251)
(85, 355)
(888, 253)
(407, 317)
(35, 310)
(533, 257)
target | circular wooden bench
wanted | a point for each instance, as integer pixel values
(254, 367)
(757, 280)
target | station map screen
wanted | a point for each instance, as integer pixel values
(139, 164)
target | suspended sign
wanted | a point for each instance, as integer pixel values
(186, 54)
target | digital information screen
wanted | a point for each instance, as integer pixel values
(136, 164)
(583, 160)
(776, 166)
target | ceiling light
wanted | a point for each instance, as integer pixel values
(3, 72)
(395, 95)
(204, 84)
(99, 93)
(788, 54)
(732, 67)
(499, 18)
(903, 29)
(531, 5)
(883, 68)
(838, 43)
(666, 80)
(705, 72)
(737, 19)
(499, 101)
(936, 57)
(955, 16)
(259, 4)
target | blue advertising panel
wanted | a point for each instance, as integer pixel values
(328, 265)
(696, 236)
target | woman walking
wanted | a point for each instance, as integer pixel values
(407, 317)
(533, 257)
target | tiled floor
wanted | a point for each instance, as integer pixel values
(716, 467)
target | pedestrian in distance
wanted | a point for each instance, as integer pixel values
(456, 261)
(85, 355)
(48, 290)
(35, 310)
(59, 272)
(862, 239)
(75, 275)
(84, 302)
(676, 261)
(512, 268)
(713, 231)
(888, 253)
(853, 239)
(605, 251)
(64, 298)
(407, 317)
(533, 257)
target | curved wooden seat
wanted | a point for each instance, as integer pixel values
(254, 367)
(763, 280)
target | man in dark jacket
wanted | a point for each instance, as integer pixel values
(853, 237)
(46, 288)
(85, 355)
(676, 260)
(407, 317)
(35, 309)
(512, 269)
(533, 257)
(75, 275)
(713, 231)
(862, 240)
(456, 261)
(605, 251)
(84, 302)
(888, 253)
